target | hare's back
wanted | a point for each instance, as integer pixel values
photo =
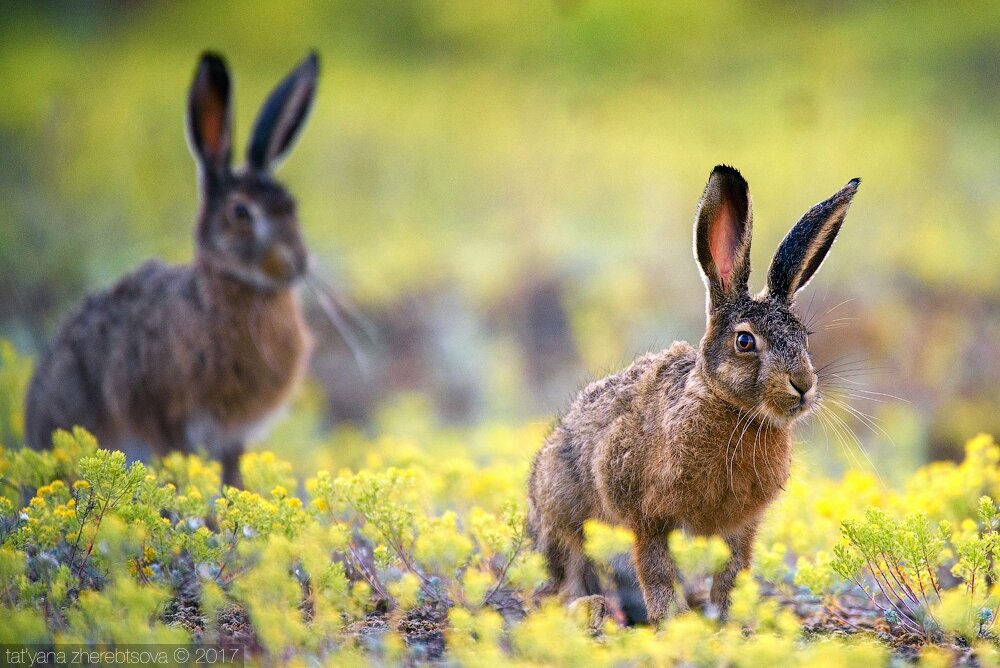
(597, 431)
(648, 380)
(96, 345)
(634, 393)
(118, 321)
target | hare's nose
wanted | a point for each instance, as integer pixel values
(281, 263)
(803, 386)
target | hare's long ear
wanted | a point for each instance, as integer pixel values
(805, 246)
(209, 115)
(722, 232)
(282, 116)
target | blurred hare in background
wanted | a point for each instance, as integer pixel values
(199, 355)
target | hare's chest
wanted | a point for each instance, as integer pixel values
(262, 359)
(714, 489)
(726, 493)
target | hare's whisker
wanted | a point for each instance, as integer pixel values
(851, 373)
(753, 457)
(844, 445)
(858, 442)
(729, 468)
(824, 417)
(345, 304)
(840, 363)
(845, 363)
(874, 393)
(834, 308)
(739, 444)
(343, 329)
(869, 421)
(846, 393)
(809, 317)
(739, 418)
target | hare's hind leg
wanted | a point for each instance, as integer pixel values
(63, 394)
(582, 576)
(572, 572)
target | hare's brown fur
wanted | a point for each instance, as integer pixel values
(117, 365)
(697, 440)
(608, 459)
(175, 358)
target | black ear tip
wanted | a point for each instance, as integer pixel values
(213, 60)
(850, 190)
(311, 63)
(214, 65)
(730, 176)
(726, 170)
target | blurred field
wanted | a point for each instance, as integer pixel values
(507, 189)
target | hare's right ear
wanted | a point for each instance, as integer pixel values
(805, 246)
(282, 115)
(723, 227)
(209, 116)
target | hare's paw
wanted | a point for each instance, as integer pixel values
(592, 611)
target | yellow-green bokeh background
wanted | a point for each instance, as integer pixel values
(507, 188)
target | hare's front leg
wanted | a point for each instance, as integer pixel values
(230, 457)
(740, 544)
(656, 570)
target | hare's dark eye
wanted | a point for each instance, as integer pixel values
(241, 213)
(745, 343)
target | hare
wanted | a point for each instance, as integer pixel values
(691, 439)
(177, 357)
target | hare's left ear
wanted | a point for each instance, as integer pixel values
(805, 246)
(282, 115)
(722, 232)
(209, 117)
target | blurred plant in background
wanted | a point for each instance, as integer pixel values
(507, 189)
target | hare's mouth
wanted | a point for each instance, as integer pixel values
(783, 413)
(282, 265)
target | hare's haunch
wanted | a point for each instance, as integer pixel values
(177, 358)
(692, 439)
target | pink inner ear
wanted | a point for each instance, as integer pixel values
(212, 124)
(722, 243)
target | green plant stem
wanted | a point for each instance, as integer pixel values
(503, 572)
(369, 576)
(897, 575)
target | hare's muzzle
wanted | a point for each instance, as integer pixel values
(802, 389)
(283, 264)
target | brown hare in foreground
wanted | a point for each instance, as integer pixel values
(181, 357)
(691, 439)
